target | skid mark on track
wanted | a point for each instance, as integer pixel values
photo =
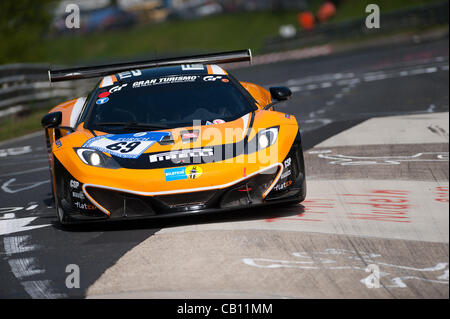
(436, 129)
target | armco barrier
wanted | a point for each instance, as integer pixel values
(22, 85)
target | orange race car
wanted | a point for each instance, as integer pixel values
(171, 137)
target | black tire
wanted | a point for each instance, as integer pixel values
(61, 215)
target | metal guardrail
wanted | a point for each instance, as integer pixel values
(26, 85)
(422, 16)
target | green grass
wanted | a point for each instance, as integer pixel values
(17, 126)
(224, 32)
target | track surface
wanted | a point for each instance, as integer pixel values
(375, 132)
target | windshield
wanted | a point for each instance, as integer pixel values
(167, 102)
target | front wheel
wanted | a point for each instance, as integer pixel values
(60, 213)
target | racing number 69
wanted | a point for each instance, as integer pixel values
(123, 147)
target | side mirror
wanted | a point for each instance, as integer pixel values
(280, 93)
(51, 120)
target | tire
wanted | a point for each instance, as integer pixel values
(60, 213)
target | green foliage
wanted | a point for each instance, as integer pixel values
(16, 126)
(22, 26)
(224, 32)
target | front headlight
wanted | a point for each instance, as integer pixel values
(95, 158)
(267, 137)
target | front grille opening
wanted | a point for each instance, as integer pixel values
(195, 199)
(290, 174)
(121, 204)
(249, 192)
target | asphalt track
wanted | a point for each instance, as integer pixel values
(375, 132)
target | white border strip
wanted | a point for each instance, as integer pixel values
(245, 127)
(76, 110)
(217, 69)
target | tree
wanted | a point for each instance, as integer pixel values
(23, 24)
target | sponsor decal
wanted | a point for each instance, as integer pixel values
(192, 67)
(74, 184)
(166, 80)
(194, 171)
(287, 162)
(211, 78)
(102, 100)
(125, 145)
(174, 174)
(58, 143)
(84, 206)
(285, 174)
(117, 88)
(288, 116)
(282, 186)
(180, 173)
(129, 74)
(218, 121)
(181, 156)
(189, 136)
(78, 195)
(209, 123)
(103, 94)
(225, 80)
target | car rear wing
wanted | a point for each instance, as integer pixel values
(108, 69)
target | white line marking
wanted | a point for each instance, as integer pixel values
(314, 262)
(8, 216)
(43, 168)
(17, 244)
(24, 267)
(40, 289)
(76, 110)
(6, 189)
(10, 226)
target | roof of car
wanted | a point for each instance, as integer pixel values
(150, 73)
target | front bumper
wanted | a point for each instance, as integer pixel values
(278, 184)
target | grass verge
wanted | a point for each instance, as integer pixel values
(215, 33)
(12, 127)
